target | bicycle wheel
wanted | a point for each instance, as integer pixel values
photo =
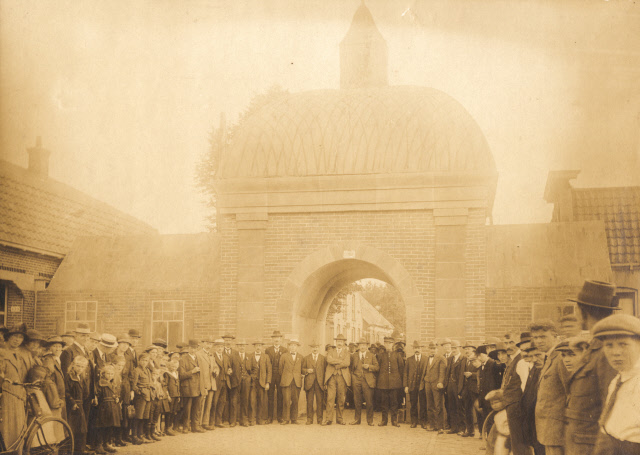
(49, 436)
(488, 423)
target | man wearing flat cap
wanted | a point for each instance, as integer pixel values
(587, 386)
(413, 385)
(389, 381)
(313, 367)
(190, 392)
(337, 378)
(275, 394)
(364, 367)
(260, 370)
(290, 381)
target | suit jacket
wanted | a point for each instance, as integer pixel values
(68, 354)
(206, 375)
(224, 363)
(141, 382)
(391, 370)
(338, 363)
(369, 375)
(290, 370)
(318, 370)
(413, 372)
(435, 373)
(189, 382)
(511, 382)
(260, 370)
(468, 384)
(551, 401)
(55, 373)
(452, 374)
(275, 362)
(132, 356)
(244, 366)
(233, 379)
(489, 378)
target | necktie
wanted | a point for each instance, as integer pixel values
(242, 356)
(418, 358)
(608, 407)
(315, 358)
(258, 358)
(362, 357)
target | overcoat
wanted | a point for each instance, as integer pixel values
(413, 372)
(189, 382)
(551, 400)
(434, 373)
(391, 370)
(260, 371)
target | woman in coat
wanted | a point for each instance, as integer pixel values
(14, 368)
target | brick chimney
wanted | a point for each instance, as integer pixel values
(39, 159)
(558, 192)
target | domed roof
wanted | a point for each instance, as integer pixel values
(362, 131)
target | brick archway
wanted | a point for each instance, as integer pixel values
(311, 287)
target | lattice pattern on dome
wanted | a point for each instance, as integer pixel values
(619, 208)
(372, 131)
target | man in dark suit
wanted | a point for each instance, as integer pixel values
(291, 381)
(313, 367)
(515, 375)
(82, 332)
(244, 386)
(364, 367)
(337, 378)
(221, 380)
(189, 374)
(275, 394)
(433, 378)
(230, 412)
(413, 385)
(389, 381)
(488, 379)
(452, 403)
(260, 369)
(468, 388)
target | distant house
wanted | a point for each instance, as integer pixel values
(357, 319)
(40, 219)
(617, 209)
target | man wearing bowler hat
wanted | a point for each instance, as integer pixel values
(275, 394)
(190, 392)
(364, 367)
(313, 367)
(82, 332)
(453, 376)
(290, 381)
(413, 385)
(389, 381)
(260, 370)
(588, 384)
(223, 365)
(337, 378)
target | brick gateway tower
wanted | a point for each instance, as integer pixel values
(322, 188)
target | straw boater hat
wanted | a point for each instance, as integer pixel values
(108, 340)
(617, 325)
(597, 294)
(226, 336)
(294, 341)
(218, 342)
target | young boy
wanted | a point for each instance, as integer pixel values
(620, 418)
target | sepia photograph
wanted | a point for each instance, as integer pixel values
(320, 226)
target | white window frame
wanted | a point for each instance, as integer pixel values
(93, 325)
(166, 335)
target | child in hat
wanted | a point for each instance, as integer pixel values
(123, 391)
(620, 418)
(76, 392)
(141, 385)
(172, 381)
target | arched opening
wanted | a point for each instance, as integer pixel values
(367, 309)
(316, 281)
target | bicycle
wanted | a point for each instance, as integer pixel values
(42, 433)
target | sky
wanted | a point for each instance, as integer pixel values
(125, 93)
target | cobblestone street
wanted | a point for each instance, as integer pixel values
(314, 439)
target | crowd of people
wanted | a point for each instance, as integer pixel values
(568, 388)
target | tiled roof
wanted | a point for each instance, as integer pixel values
(45, 215)
(619, 209)
(147, 262)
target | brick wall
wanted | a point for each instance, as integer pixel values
(119, 311)
(510, 309)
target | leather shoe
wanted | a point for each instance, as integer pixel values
(219, 425)
(395, 424)
(413, 425)
(440, 431)
(233, 425)
(328, 422)
(355, 422)
(452, 432)
(370, 424)
(284, 422)
(382, 424)
(197, 430)
(341, 423)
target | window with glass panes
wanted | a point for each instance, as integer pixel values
(81, 311)
(168, 320)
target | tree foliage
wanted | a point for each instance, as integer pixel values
(387, 300)
(219, 141)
